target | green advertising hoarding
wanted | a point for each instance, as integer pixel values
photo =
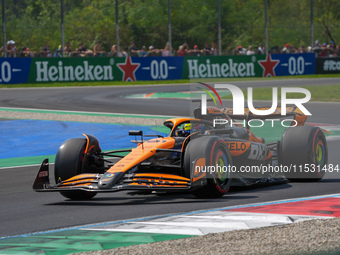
(222, 67)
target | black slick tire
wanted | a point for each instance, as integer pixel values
(304, 151)
(68, 163)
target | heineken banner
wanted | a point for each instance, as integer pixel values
(249, 66)
(105, 69)
(41, 70)
(327, 65)
(221, 67)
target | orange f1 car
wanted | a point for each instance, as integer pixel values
(197, 156)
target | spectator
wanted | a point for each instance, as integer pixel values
(250, 51)
(302, 49)
(133, 50)
(124, 52)
(83, 51)
(332, 46)
(182, 51)
(24, 53)
(68, 50)
(330, 51)
(121, 53)
(240, 51)
(286, 49)
(46, 53)
(325, 51)
(153, 52)
(337, 50)
(14, 49)
(195, 51)
(317, 49)
(98, 50)
(293, 49)
(213, 49)
(165, 51)
(57, 54)
(11, 49)
(317, 44)
(114, 52)
(206, 49)
(142, 52)
(260, 49)
(274, 50)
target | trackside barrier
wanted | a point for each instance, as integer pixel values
(327, 65)
(46, 70)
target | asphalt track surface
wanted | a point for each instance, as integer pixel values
(25, 211)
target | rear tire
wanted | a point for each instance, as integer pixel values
(68, 163)
(304, 150)
(216, 154)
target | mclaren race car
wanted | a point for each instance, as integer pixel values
(200, 155)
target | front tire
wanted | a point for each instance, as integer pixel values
(304, 150)
(68, 163)
(217, 157)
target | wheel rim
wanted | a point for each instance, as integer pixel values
(320, 153)
(221, 163)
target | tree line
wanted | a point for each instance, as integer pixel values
(35, 23)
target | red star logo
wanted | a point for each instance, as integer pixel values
(268, 66)
(128, 69)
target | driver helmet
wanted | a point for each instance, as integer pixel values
(187, 128)
(192, 128)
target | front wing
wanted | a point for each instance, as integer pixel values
(89, 182)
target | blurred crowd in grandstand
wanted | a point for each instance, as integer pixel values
(324, 50)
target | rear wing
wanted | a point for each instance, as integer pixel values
(294, 112)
